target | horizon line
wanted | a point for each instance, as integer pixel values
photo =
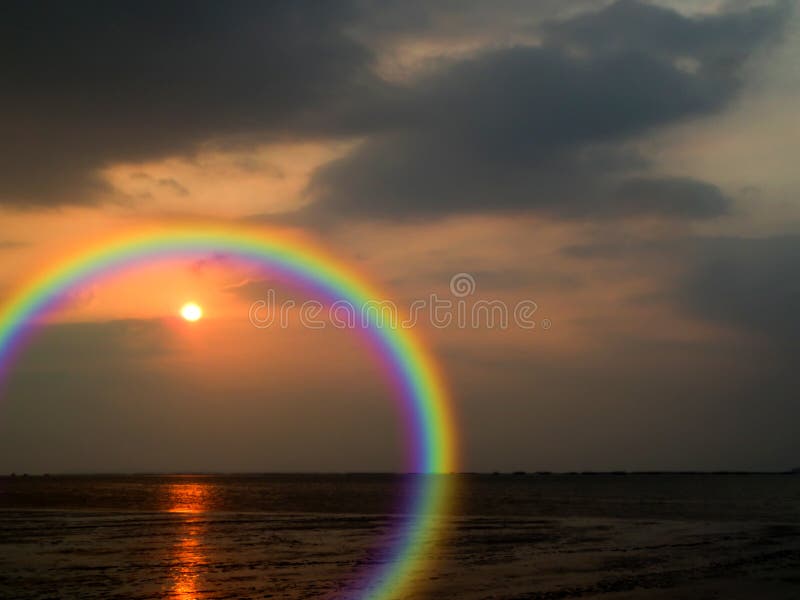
(515, 473)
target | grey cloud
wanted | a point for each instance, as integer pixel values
(11, 244)
(174, 185)
(515, 128)
(714, 41)
(99, 343)
(458, 18)
(86, 85)
(547, 128)
(615, 249)
(635, 398)
(748, 283)
(133, 395)
(677, 195)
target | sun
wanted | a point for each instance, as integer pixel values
(191, 311)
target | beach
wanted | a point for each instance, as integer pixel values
(304, 536)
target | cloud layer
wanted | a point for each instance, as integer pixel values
(86, 86)
(548, 127)
(543, 126)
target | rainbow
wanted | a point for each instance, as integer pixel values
(416, 380)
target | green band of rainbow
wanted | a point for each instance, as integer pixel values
(418, 385)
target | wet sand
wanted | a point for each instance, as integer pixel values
(571, 537)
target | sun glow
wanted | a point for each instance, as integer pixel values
(191, 311)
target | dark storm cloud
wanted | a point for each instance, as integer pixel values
(545, 127)
(741, 390)
(86, 85)
(714, 41)
(652, 404)
(90, 85)
(750, 284)
(665, 195)
(616, 246)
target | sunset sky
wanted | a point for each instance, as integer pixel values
(630, 167)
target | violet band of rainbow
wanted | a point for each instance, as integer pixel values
(415, 377)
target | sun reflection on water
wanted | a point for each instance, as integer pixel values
(189, 500)
(190, 497)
